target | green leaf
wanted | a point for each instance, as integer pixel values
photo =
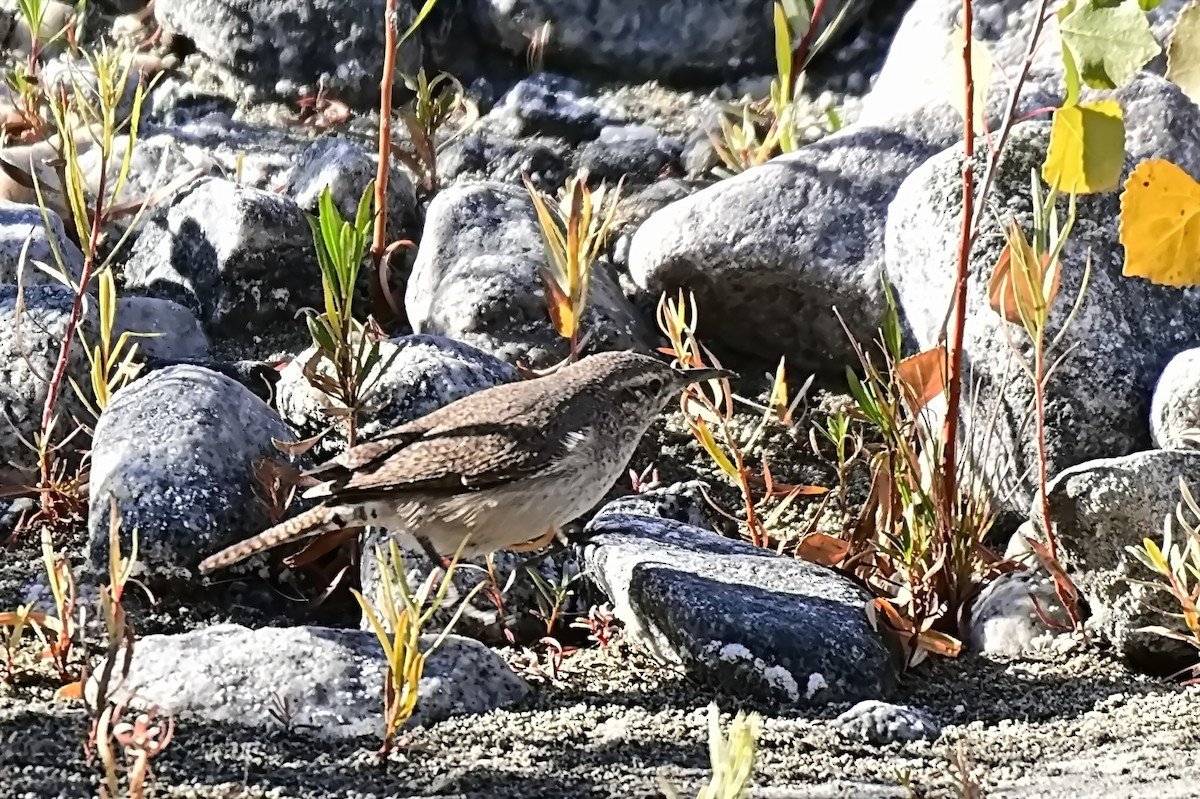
(1183, 52)
(1071, 76)
(1087, 148)
(783, 46)
(1109, 41)
(320, 335)
(1149, 5)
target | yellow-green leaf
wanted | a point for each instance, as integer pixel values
(1110, 41)
(1087, 148)
(1183, 52)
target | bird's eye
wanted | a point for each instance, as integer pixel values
(640, 393)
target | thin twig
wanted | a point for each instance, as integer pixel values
(379, 248)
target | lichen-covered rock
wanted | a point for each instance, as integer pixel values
(476, 279)
(737, 616)
(649, 41)
(882, 723)
(19, 223)
(1175, 406)
(1126, 331)
(239, 258)
(325, 681)
(1101, 507)
(176, 451)
(286, 47)
(422, 374)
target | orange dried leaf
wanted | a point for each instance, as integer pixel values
(70, 691)
(562, 315)
(822, 549)
(939, 643)
(923, 376)
(1017, 286)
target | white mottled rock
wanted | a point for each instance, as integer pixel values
(1004, 618)
(882, 723)
(330, 679)
(1175, 406)
(19, 222)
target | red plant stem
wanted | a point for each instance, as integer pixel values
(954, 400)
(800, 54)
(60, 366)
(379, 303)
(1039, 394)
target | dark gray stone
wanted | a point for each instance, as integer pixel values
(545, 104)
(1100, 508)
(423, 374)
(736, 616)
(494, 157)
(882, 723)
(634, 152)
(284, 47)
(1126, 331)
(176, 331)
(176, 452)
(476, 279)
(19, 222)
(330, 679)
(239, 258)
(1175, 406)
(633, 39)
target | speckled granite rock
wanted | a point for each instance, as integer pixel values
(240, 258)
(492, 156)
(424, 373)
(476, 279)
(1101, 507)
(882, 723)
(546, 104)
(1175, 406)
(921, 66)
(176, 331)
(632, 39)
(19, 222)
(284, 47)
(331, 679)
(1127, 329)
(780, 629)
(176, 450)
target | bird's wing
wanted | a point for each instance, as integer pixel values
(459, 447)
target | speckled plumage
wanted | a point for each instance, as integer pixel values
(507, 465)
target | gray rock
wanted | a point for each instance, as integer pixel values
(495, 157)
(1175, 406)
(1101, 507)
(285, 47)
(736, 616)
(545, 104)
(883, 723)
(346, 168)
(923, 68)
(1126, 331)
(631, 39)
(330, 680)
(771, 252)
(423, 373)
(174, 330)
(29, 348)
(1004, 618)
(239, 258)
(636, 153)
(18, 223)
(176, 452)
(476, 279)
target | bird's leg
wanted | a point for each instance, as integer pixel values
(438, 559)
(550, 537)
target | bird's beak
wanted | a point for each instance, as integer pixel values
(701, 375)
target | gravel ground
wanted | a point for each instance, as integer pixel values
(616, 723)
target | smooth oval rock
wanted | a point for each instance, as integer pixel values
(1175, 406)
(176, 452)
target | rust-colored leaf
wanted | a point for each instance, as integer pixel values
(70, 691)
(923, 376)
(939, 643)
(822, 549)
(562, 316)
(1018, 283)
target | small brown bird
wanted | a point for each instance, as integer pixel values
(508, 466)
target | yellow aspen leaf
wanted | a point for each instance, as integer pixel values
(1016, 286)
(1087, 148)
(923, 376)
(1160, 224)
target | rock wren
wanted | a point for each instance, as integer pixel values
(508, 465)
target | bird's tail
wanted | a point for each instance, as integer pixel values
(321, 519)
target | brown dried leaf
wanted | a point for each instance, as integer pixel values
(822, 549)
(922, 376)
